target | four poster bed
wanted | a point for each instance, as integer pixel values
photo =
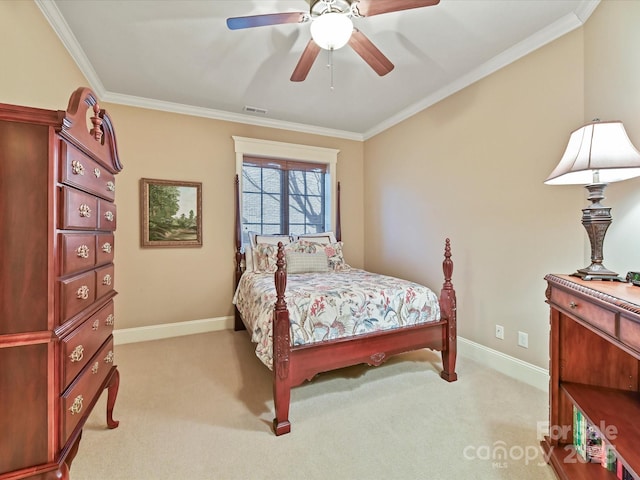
(332, 316)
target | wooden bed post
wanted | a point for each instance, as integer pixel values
(238, 323)
(338, 219)
(448, 311)
(281, 350)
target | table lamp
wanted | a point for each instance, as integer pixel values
(598, 153)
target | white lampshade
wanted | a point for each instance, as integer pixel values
(601, 147)
(331, 31)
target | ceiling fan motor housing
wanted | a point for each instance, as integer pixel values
(320, 7)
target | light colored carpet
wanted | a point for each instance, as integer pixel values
(200, 408)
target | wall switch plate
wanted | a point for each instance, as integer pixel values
(523, 339)
(500, 332)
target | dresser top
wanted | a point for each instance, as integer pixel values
(621, 294)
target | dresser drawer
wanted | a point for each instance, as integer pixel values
(104, 249)
(77, 252)
(80, 345)
(108, 217)
(104, 280)
(82, 172)
(601, 318)
(630, 333)
(77, 401)
(80, 210)
(76, 294)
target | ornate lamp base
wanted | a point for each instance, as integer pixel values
(597, 274)
(596, 220)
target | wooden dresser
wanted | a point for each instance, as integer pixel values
(57, 223)
(594, 369)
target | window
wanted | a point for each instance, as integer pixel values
(286, 188)
(280, 196)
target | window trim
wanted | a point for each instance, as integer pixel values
(289, 151)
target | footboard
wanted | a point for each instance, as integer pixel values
(294, 365)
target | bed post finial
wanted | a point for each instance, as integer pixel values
(449, 311)
(280, 278)
(447, 266)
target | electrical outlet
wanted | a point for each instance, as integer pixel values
(523, 339)
(500, 332)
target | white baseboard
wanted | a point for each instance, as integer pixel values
(167, 330)
(503, 363)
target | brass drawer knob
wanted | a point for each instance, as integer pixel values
(83, 292)
(106, 280)
(96, 172)
(96, 324)
(77, 405)
(77, 168)
(111, 187)
(84, 210)
(109, 320)
(106, 248)
(94, 368)
(109, 357)
(108, 216)
(77, 354)
(82, 251)
(573, 305)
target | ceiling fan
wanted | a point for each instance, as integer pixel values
(332, 28)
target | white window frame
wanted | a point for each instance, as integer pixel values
(289, 151)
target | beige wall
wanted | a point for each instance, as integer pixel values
(160, 286)
(612, 92)
(471, 168)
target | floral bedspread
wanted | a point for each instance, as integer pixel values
(326, 306)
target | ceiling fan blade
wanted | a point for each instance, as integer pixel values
(368, 8)
(236, 23)
(370, 53)
(309, 56)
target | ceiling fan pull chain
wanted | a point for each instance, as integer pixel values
(330, 65)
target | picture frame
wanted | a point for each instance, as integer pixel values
(171, 213)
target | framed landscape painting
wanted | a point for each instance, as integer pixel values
(171, 213)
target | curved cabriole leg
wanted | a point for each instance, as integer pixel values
(112, 393)
(448, 311)
(281, 350)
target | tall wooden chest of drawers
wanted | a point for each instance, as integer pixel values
(57, 223)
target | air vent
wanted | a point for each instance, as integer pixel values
(250, 109)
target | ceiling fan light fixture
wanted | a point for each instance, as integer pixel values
(331, 31)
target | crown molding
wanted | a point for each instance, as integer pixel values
(539, 39)
(552, 32)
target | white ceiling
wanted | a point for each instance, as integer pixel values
(179, 56)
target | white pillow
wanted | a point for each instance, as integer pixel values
(322, 237)
(248, 259)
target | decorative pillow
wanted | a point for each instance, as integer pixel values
(333, 251)
(322, 237)
(300, 262)
(266, 255)
(255, 238)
